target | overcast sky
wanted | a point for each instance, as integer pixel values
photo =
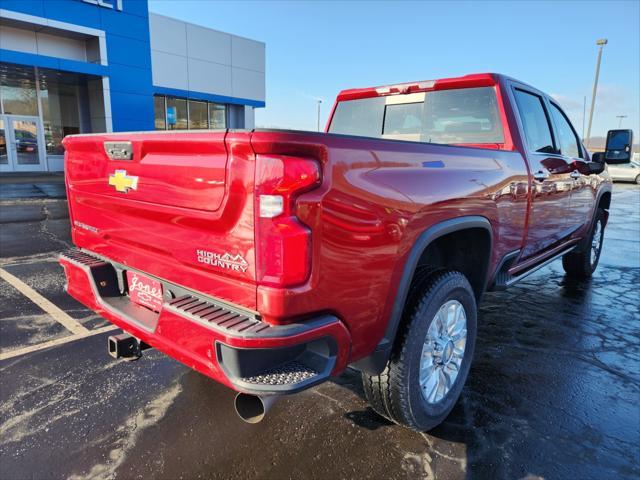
(316, 49)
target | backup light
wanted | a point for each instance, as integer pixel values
(283, 242)
(271, 206)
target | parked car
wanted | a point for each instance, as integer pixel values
(270, 260)
(26, 142)
(629, 172)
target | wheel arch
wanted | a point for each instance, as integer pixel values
(604, 200)
(376, 362)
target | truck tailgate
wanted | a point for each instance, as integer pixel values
(180, 209)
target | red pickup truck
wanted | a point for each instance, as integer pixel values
(271, 260)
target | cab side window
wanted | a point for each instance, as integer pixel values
(535, 122)
(568, 142)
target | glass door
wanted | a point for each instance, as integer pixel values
(21, 144)
(4, 152)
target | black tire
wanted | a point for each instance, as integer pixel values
(638, 180)
(396, 393)
(580, 263)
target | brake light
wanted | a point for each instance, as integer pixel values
(283, 242)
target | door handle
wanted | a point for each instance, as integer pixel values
(575, 174)
(541, 176)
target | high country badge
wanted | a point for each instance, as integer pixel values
(226, 261)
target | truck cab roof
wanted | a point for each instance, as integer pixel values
(466, 81)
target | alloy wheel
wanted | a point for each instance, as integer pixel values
(443, 351)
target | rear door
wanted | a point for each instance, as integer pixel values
(551, 182)
(583, 195)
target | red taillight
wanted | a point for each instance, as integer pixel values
(283, 243)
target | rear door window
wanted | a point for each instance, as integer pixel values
(534, 122)
(567, 138)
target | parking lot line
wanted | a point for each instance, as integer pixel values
(53, 343)
(56, 313)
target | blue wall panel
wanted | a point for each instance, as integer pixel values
(131, 106)
(119, 50)
(73, 11)
(130, 80)
(44, 61)
(128, 53)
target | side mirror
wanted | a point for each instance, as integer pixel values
(619, 145)
(595, 167)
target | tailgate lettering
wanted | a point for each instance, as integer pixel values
(227, 261)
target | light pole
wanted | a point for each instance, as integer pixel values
(319, 103)
(620, 117)
(601, 43)
(584, 114)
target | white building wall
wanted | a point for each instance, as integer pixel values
(190, 57)
(41, 43)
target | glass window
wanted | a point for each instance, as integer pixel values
(458, 117)
(198, 115)
(18, 90)
(217, 116)
(535, 122)
(567, 139)
(403, 118)
(159, 112)
(60, 109)
(361, 117)
(25, 133)
(462, 116)
(4, 158)
(177, 113)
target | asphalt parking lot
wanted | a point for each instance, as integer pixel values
(554, 391)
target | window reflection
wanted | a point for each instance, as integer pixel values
(60, 111)
(197, 115)
(171, 113)
(159, 111)
(217, 116)
(4, 158)
(177, 113)
(18, 92)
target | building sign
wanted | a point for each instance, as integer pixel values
(117, 4)
(171, 115)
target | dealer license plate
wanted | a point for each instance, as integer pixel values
(144, 291)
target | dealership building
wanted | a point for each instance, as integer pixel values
(91, 66)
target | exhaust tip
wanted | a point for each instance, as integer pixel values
(252, 408)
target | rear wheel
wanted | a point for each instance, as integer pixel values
(582, 262)
(638, 179)
(430, 361)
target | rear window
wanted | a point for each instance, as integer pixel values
(461, 116)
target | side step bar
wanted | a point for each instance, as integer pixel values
(504, 279)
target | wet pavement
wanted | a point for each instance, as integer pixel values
(36, 185)
(554, 391)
